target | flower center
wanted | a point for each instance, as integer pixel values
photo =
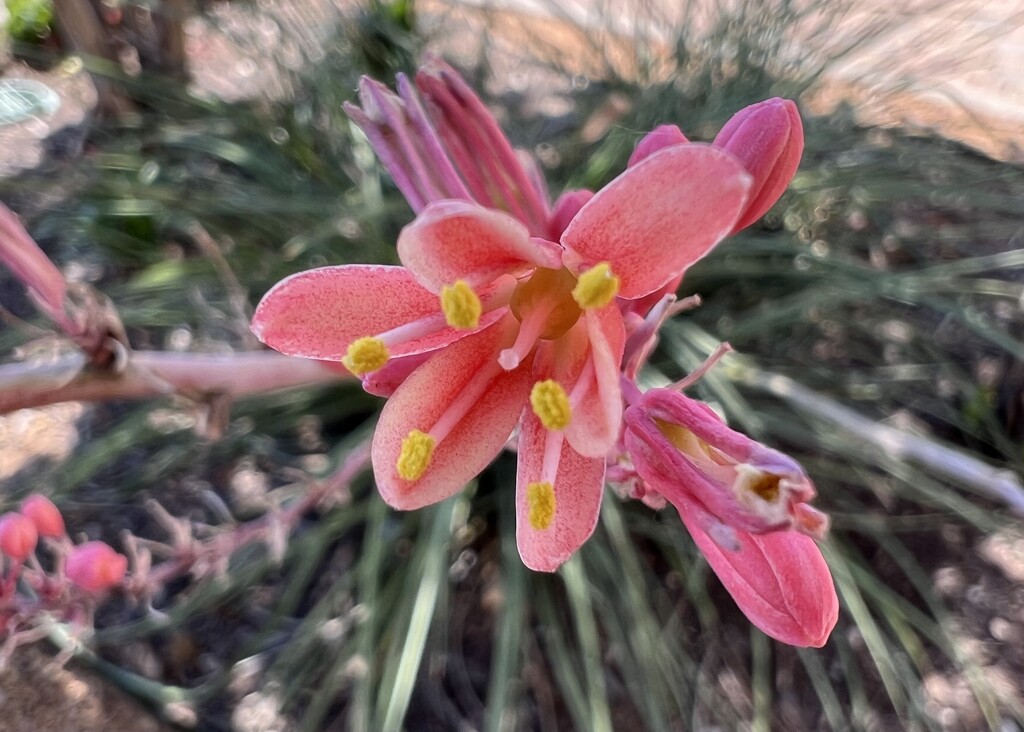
(547, 295)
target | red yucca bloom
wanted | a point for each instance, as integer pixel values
(513, 314)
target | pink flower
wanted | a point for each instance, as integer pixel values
(41, 511)
(746, 507)
(95, 567)
(18, 536)
(511, 310)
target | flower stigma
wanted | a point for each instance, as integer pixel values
(596, 287)
(365, 355)
(764, 485)
(540, 499)
(551, 404)
(414, 459)
(461, 306)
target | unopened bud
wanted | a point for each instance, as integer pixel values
(95, 567)
(47, 519)
(18, 536)
(768, 138)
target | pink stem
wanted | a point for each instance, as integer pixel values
(157, 373)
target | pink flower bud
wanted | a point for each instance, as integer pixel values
(95, 567)
(41, 511)
(779, 580)
(684, 450)
(566, 207)
(768, 138)
(18, 536)
(657, 139)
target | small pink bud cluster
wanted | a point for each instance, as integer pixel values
(93, 567)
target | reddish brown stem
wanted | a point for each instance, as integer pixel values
(157, 373)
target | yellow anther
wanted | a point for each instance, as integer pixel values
(461, 306)
(551, 404)
(414, 459)
(540, 500)
(596, 287)
(365, 355)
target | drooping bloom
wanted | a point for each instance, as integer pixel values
(746, 506)
(509, 312)
(514, 304)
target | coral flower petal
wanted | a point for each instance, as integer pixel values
(476, 438)
(599, 337)
(779, 580)
(319, 312)
(659, 217)
(577, 490)
(459, 240)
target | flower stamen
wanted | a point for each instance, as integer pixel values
(551, 404)
(461, 306)
(596, 287)
(365, 355)
(414, 458)
(540, 500)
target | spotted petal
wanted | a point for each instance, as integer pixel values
(459, 240)
(318, 313)
(659, 217)
(477, 436)
(578, 487)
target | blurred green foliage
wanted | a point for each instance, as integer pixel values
(29, 21)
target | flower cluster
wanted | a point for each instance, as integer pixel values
(81, 574)
(512, 315)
